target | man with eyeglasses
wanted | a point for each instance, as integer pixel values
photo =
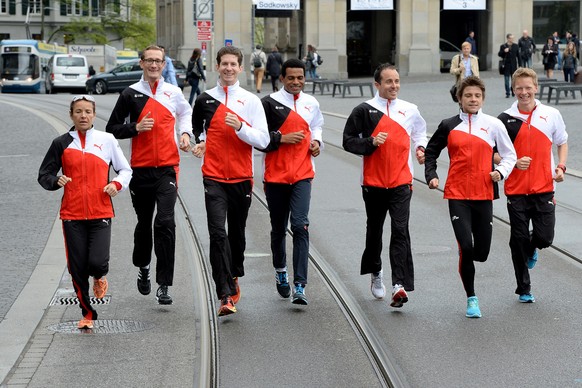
(154, 108)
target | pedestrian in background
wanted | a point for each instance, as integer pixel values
(311, 61)
(556, 39)
(195, 73)
(527, 47)
(295, 127)
(274, 63)
(508, 52)
(169, 71)
(258, 63)
(550, 56)
(570, 63)
(381, 130)
(534, 128)
(472, 179)
(84, 155)
(147, 113)
(228, 122)
(471, 40)
(465, 64)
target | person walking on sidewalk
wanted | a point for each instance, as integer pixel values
(508, 52)
(258, 63)
(228, 122)
(295, 124)
(274, 63)
(471, 187)
(381, 129)
(84, 155)
(169, 71)
(154, 108)
(195, 73)
(533, 128)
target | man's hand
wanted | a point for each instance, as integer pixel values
(420, 155)
(559, 175)
(314, 148)
(380, 138)
(199, 149)
(232, 121)
(523, 163)
(495, 176)
(110, 189)
(63, 180)
(434, 183)
(292, 138)
(146, 124)
(185, 142)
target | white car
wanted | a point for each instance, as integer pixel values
(66, 72)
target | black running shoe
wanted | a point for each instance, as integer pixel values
(144, 285)
(282, 280)
(163, 296)
(299, 295)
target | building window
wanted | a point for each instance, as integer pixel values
(4, 36)
(74, 7)
(3, 6)
(550, 16)
(35, 6)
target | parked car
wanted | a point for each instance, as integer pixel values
(447, 51)
(180, 73)
(115, 80)
(66, 72)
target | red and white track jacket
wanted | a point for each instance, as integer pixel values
(166, 104)
(389, 165)
(470, 140)
(88, 168)
(286, 113)
(229, 153)
(533, 135)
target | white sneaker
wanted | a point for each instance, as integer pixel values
(377, 287)
(399, 296)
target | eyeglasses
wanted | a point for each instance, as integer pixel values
(83, 97)
(150, 61)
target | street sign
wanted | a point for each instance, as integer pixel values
(228, 42)
(204, 9)
(204, 29)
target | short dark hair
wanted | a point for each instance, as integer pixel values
(292, 63)
(380, 69)
(470, 81)
(229, 50)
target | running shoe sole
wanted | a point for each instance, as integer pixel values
(300, 299)
(399, 298)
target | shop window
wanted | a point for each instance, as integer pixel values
(550, 16)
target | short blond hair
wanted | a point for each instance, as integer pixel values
(524, 72)
(465, 44)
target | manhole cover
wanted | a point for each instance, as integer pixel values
(73, 300)
(102, 326)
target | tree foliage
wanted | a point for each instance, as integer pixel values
(136, 33)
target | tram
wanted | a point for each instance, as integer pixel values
(22, 63)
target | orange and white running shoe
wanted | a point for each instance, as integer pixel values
(100, 287)
(227, 306)
(85, 323)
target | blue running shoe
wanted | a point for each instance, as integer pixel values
(473, 310)
(531, 261)
(527, 298)
(283, 287)
(299, 295)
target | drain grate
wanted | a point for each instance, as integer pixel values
(102, 326)
(73, 300)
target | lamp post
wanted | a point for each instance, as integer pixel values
(42, 21)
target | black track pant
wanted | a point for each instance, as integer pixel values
(87, 246)
(153, 188)
(473, 226)
(378, 203)
(541, 211)
(227, 203)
